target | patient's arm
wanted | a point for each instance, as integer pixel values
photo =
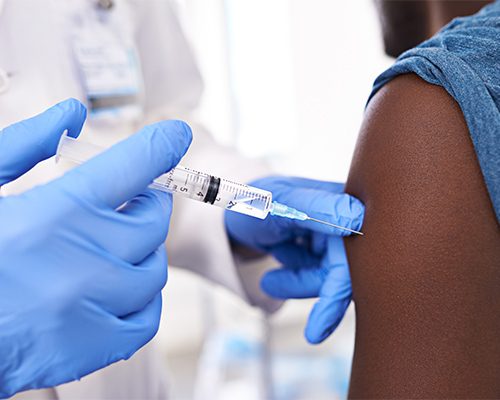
(426, 274)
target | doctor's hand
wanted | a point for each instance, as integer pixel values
(313, 258)
(83, 259)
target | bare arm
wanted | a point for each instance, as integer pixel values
(426, 275)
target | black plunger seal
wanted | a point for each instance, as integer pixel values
(213, 189)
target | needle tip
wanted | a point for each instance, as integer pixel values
(336, 226)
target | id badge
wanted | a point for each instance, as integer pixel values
(108, 65)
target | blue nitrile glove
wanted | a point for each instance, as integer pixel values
(80, 276)
(312, 254)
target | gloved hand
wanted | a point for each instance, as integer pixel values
(80, 278)
(312, 254)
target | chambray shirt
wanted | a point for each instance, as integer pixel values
(464, 58)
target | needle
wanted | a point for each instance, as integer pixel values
(336, 226)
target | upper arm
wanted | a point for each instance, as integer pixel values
(426, 274)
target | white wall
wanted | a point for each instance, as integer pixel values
(299, 73)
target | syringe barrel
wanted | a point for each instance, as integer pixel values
(219, 192)
(187, 182)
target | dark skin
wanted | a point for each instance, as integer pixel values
(406, 23)
(425, 275)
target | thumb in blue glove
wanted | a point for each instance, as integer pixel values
(312, 254)
(80, 278)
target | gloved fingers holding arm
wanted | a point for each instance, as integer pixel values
(313, 258)
(321, 200)
(328, 279)
(80, 276)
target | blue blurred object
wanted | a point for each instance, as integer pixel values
(302, 376)
(313, 255)
(80, 278)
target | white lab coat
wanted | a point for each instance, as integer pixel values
(37, 55)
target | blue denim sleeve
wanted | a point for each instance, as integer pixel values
(464, 58)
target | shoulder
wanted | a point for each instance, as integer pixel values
(413, 125)
(415, 161)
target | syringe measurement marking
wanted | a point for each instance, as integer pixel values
(242, 194)
(204, 186)
(196, 180)
(169, 179)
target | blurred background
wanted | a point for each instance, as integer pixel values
(301, 70)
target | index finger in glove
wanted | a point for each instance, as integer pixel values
(318, 199)
(126, 169)
(26, 143)
(334, 208)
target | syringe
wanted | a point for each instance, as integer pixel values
(199, 186)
